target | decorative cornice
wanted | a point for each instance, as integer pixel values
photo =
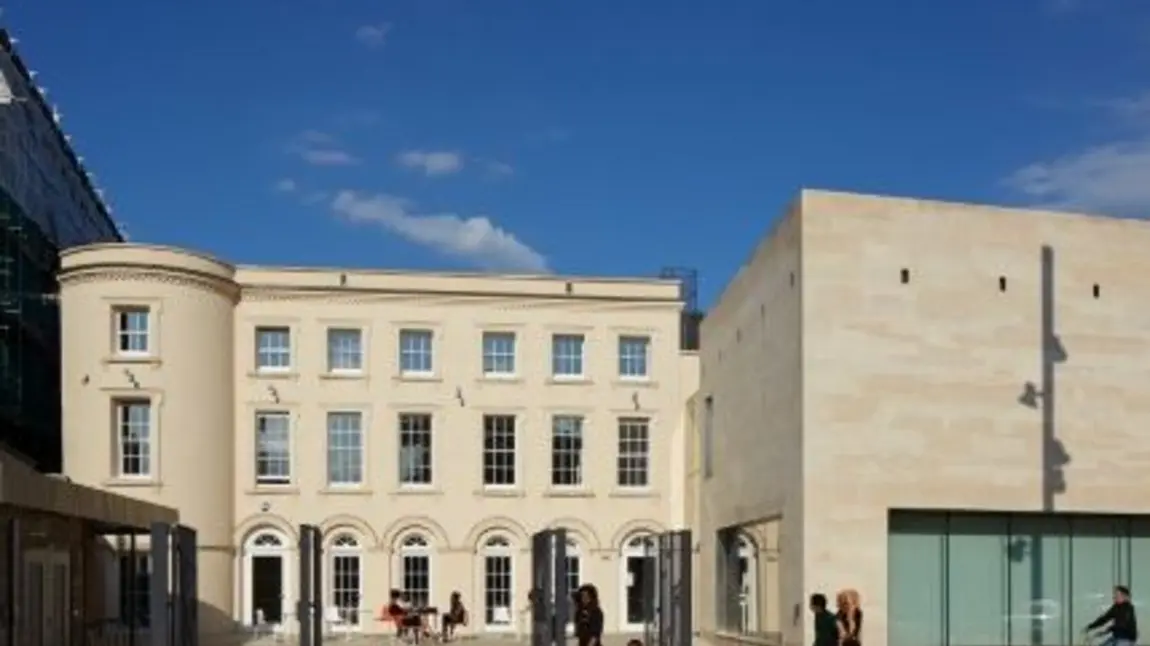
(176, 277)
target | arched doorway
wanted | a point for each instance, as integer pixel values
(748, 584)
(637, 565)
(266, 577)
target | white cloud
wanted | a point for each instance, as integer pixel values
(432, 163)
(497, 169)
(373, 35)
(328, 157)
(476, 239)
(1111, 178)
(286, 185)
(320, 149)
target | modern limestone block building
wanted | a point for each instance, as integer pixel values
(429, 423)
(943, 406)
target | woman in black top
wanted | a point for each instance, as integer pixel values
(456, 615)
(849, 618)
(589, 617)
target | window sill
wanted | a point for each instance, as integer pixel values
(500, 379)
(343, 376)
(417, 490)
(501, 492)
(571, 492)
(569, 381)
(131, 360)
(345, 491)
(635, 382)
(131, 483)
(419, 377)
(633, 493)
(273, 374)
(273, 490)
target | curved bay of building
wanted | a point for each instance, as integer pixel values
(428, 423)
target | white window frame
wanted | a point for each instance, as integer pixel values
(415, 546)
(359, 452)
(268, 357)
(559, 345)
(500, 360)
(346, 545)
(424, 355)
(262, 419)
(127, 425)
(498, 418)
(410, 427)
(568, 450)
(127, 333)
(631, 448)
(498, 549)
(629, 362)
(345, 350)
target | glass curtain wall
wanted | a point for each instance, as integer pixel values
(961, 579)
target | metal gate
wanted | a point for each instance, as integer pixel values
(173, 596)
(549, 594)
(309, 608)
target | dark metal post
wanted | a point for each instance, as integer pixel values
(317, 584)
(15, 577)
(309, 608)
(186, 610)
(128, 592)
(549, 598)
(540, 584)
(303, 604)
(158, 596)
(676, 625)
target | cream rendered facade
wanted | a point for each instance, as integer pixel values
(200, 383)
(870, 357)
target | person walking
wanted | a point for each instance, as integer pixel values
(589, 617)
(1119, 620)
(826, 626)
(849, 617)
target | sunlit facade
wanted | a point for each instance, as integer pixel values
(428, 423)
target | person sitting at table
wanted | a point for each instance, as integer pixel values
(414, 618)
(456, 615)
(395, 611)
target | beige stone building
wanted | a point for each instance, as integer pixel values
(880, 408)
(429, 423)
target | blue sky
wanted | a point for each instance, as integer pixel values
(591, 137)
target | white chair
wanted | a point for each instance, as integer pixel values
(334, 620)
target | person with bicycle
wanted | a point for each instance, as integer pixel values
(1119, 620)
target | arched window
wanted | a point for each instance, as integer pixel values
(415, 569)
(748, 583)
(498, 583)
(574, 575)
(267, 539)
(347, 577)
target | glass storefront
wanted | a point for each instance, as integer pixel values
(964, 579)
